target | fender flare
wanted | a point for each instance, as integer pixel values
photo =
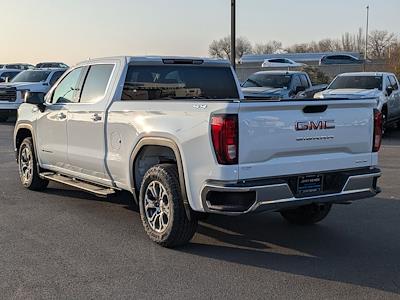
(163, 142)
(17, 129)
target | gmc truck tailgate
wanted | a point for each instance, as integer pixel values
(300, 137)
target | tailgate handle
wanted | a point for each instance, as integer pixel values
(313, 109)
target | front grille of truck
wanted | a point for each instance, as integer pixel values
(8, 94)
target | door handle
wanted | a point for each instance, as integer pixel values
(61, 116)
(95, 118)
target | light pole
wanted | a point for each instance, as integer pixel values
(233, 33)
(366, 40)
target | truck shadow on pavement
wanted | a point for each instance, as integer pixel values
(357, 244)
(351, 246)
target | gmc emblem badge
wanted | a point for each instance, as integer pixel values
(311, 125)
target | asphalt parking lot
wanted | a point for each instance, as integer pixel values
(67, 244)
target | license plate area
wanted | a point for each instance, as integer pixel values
(310, 185)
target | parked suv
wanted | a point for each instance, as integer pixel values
(340, 59)
(280, 85)
(178, 134)
(37, 81)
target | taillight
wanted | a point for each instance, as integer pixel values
(377, 130)
(224, 134)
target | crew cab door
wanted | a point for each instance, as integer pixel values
(86, 123)
(51, 125)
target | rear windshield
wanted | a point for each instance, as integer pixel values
(268, 80)
(357, 82)
(179, 82)
(51, 65)
(32, 76)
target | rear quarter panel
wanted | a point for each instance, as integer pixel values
(182, 122)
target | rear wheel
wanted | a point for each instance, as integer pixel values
(4, 116)
(307, 215)
(161, 208)
(28, 169)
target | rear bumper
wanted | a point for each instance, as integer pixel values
(277, 194)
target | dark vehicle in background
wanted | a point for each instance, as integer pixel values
(52, 65)
(7, 74)
(340, 59)
(280, 85)
(17, 66)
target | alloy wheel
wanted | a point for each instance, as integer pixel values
(157, 206)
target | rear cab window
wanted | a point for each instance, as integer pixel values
(166, 82)
(357, 82)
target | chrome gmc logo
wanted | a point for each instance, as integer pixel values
(311, 125)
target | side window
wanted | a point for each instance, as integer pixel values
(387, 82)
(296, 82)
(67, 90)
(394, 83)
(55, 77)
(304, 81)
(8, 76)
(96, 83)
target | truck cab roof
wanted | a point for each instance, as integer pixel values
(163, 60)
(366, 74)
(281, 72)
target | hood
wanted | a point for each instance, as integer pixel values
(32, 86)
(350, 93)
(264, 91)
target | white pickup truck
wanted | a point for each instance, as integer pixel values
(178, 134)
(36, 80)
(384, 87)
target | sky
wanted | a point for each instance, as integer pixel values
(75, 30)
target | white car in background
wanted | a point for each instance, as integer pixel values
(384, 87)
(12, 94)
(281, 63)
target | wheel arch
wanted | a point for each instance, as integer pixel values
(168, 145)
(21, 133)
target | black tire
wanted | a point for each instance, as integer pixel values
(307, 215)
(4, 116)
(28, 168)
(166, 205)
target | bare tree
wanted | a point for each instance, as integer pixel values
(348, 42)
(360, 41)
(379, 42)
(268, 48)
(222, 48)
(393, 60)
(327, 45)
(243, 46)
(299, 48)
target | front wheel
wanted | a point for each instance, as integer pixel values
(162, 210)
(28, 169)
(307, 215)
